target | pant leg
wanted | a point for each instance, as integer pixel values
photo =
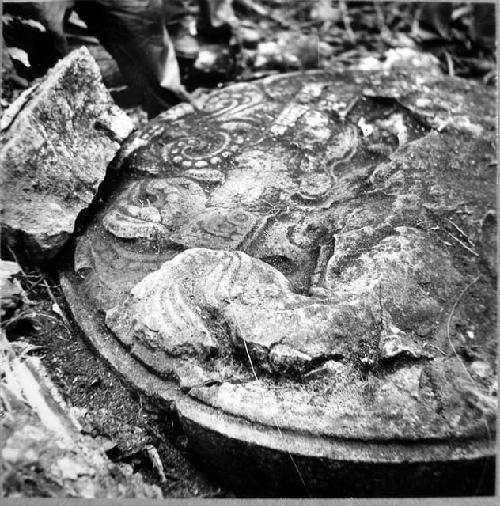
(483, 27)
(216, 15)
(50, 15)
(134, 33)
(175, 11)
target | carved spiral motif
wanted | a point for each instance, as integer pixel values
(228, 123)
(217, 228)
(209, 148)
(228, 104)
(150, 208)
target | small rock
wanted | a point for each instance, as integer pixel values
(71, 469)
(480, 369)
(11, 292)
(395, 345)
(408, 58)
(402, 58)
(395, 125)
(54, 154)
(330, 368)
(366, 128)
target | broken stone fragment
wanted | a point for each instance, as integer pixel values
(481, 369)
(41, 443)
(54, 152)
(398, 345)
(11, 292)
(331, 368)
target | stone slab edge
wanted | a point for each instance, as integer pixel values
(209, 419)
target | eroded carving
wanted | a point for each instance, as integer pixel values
(149, 208)
(170, 311)
(295, 226)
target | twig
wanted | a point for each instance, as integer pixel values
(251, 6)
(350, 106)
(54, 301)
(249, 358)
(19, 316)
(16, 260)
(31, 316)
(27, 277)
(449, 63)
(471, 379)
(463, 244)
(461, 231)
(155, 459)
(490, 76)
(347, 21)
(446, 243)
(437, 348)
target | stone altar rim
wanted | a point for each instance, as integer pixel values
(312, 454)
(211, 419)
(323, 211)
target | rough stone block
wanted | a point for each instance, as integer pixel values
(57, 141)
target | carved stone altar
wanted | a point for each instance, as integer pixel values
(306, 267)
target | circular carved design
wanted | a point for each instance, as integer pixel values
(302, 254)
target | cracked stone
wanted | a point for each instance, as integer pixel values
(54, 155)
(40, 435)
(307, 246)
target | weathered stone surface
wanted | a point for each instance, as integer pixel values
(173, 309)
(311, 251)
(56, 146)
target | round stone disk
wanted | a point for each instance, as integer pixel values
(305, 267)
